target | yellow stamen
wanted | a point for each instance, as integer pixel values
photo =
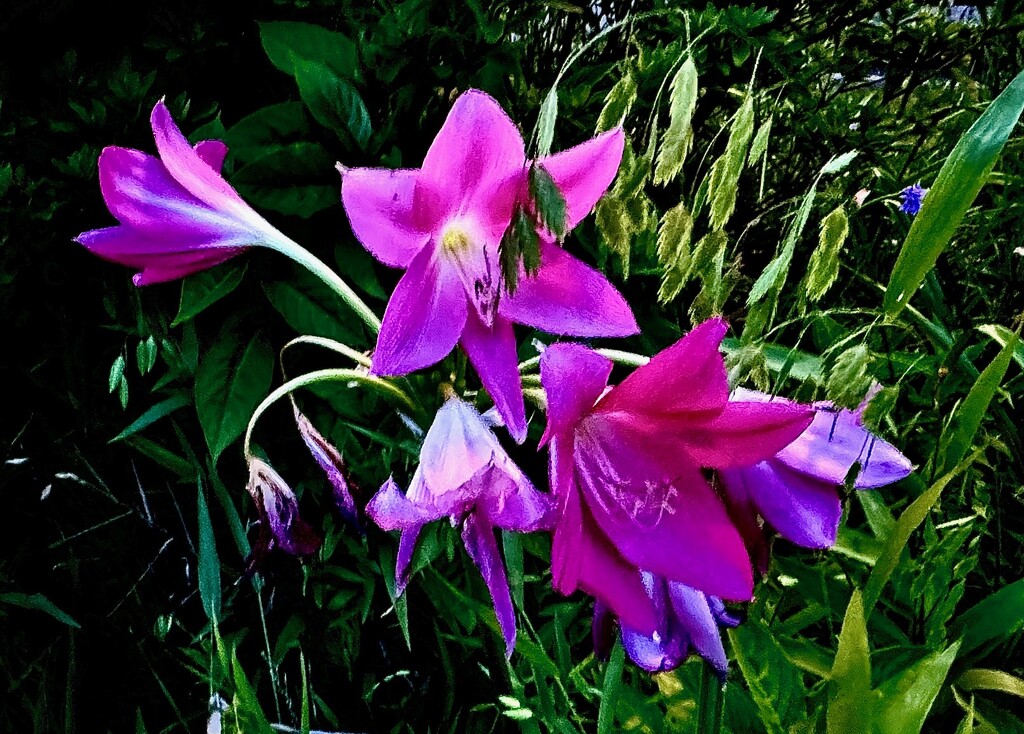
(455, 240)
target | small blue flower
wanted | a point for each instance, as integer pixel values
(911, 198)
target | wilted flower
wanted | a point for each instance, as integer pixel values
(911, 198)
(278, 508)
(686, 618)
(444, 222)
(329, 459)
(464, 474)
(177, 214)
(796, 491)
(625, 466)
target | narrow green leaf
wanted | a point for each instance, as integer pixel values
(246, 706)
(962, 175)
(907, 697)
(546, 123)
(851, 701)
(774, 275)
(40, 603)
(985, 679)
(679, 135)
(151, 416)
(231, 381)
(284, 41)
(333, 102)
(163, 456)
(839, 162)
(725, 172)
(824, 266)
(209, 564)
(995, 618)
(905, 525)
(610, 691)
(202, 290)
(1003, 336)
(966, 420)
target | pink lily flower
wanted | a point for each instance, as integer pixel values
(177, 214)
(796, 491)
(464, 474)
(625, 469)
(443, 223)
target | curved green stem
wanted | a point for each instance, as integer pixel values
(329, 375)
(335, 346)
(319, 268)
(630, 359)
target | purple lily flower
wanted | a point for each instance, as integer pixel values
(177, 214)
(444, 222)
(797, 490)
(625, 467)
(329, 459)
(911, 198)
(278, 508)
(464, 474)
(687, 619)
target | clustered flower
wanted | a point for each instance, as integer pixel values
(663, 488)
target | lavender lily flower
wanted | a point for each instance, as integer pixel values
(911, 198)
(687, 619)
(329, 459)
(625, 467)
(278, 508)
(464, 474)
(444, 222)
(797, 491)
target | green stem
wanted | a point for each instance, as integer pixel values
(710, 702)
(317, 267)
(335, 346)
(329, 375)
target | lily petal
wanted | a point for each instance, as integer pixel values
(379, 205)
(212, 153)
(478, 537)
(511, 502)
(392, 510)
(492, 352)
(457, 447)
(567, 297)
(693, 614)
(423, 320)
(583, 173)
(573, 378)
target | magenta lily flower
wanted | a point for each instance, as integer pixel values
(797, 490)
(278, 508)
(444, 222)
(177, 214)
(625, 468)
(687, 620)
(464, 474)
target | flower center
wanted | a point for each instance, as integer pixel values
(455, 240)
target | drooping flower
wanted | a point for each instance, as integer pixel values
(278, 508)
(177, 214)
(625, 467)
(464, 474)
(329, 459)
(796, 491)
(911, 198)
(687, 620)
(444, 222)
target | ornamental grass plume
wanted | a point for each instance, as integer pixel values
(464, 474)
(444, 222)
(625, 470)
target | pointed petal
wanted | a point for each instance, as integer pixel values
(573, 378)
(511, 502)
(329, 459)
(687, 377)
(477, 148)
(665, 520)
(423, 320)
(483, 549)
(379, 205)
(392, 510)
(583, 173)
(568, 297)
(802, 509)
(693, 614)
(188, 169)
(735, 492)
(457, 447)
(212, 153)
(492, 352)
(406, 549)
(653, 653)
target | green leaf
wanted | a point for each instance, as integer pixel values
(679, 135)
(839, 162)
(1003, 336)
(548, 199)
(312, 308)
(151, 416)
(824, 267)
(774, 275)
(266, 130)
(907, 697)
(185, 469)
(905, 525)
(116, 373)
(610, 691)
(202, 290)
(962, 175)
(546, 123)
(966, 420)
(985, 679)
(725, 172)
(209, 564)
(674, 251)
(245, 705)
(286, 41)
(995, 618)
(775, 683)
(618, 103)
(231, 381)
(333, 102)
(298, 179)
(40, 603)
(851, 700)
